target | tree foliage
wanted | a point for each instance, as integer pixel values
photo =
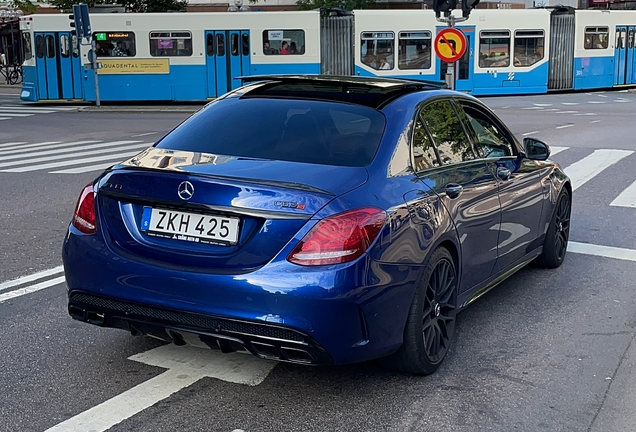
(24, 5)
(342, 4)
(130, 5)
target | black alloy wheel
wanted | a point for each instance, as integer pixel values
(556, 241)
(431, 321)
(439, 311)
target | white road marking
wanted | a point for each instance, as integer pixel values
(30, 289)
(186, 365)
(12, 114)
(530, 133)
(569, 103)
(590, 166)
(564, 126)
(38, 152)
(44, 108)
(30, 278)
(5, 118)
(602, 251)
(600, 95)
(596, 102)
(119, 157)
(586, 114)
(59, 146)
(114, 150)
(556, 149)
(23, 111)
(143, 134)
(627, 198)
(542, 104)
(532, 108)
(22, 147)
(12, 144)
(566, 112)
(595, 121)
(83, 169)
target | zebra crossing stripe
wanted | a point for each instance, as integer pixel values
(11, 144)
(41, 108)
(12, 114)
(627, 198)
(20, 148)
(11, 111)
(58, 146)
(84, 169)
(75, 155)
(584, 170)
(556, 150)
(120, 157)
(83, 145)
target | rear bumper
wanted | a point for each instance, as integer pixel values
(336, 314)
(262, 340)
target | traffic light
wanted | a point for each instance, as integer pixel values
(467, 6)
(445, 6)
(72, 24)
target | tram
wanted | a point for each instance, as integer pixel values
(199, 56)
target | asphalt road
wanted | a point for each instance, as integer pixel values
(546, 350)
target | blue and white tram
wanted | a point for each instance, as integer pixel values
(169, 57)
(197, 56)
(506, 50)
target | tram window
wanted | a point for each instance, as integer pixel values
(283, 42)
(170, 44)
(235, 44)
(209, 44)
(596, 37)
(414, 50)
(246, 44)
(220, 45)
(26, 46)
(65, 49)
(376, 50)
(631, 39)
(620, 39)
(50, 47)
(494, 49)
(115, 44)
(39, 46)
(528, 47)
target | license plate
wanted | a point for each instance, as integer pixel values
(192, 227)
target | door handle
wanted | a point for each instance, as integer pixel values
(503, 173)
(454, 190)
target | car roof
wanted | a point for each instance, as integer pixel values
(374, 92)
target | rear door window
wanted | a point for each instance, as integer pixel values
(305, 131)
(448, 134)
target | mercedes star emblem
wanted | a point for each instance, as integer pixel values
(185, 190)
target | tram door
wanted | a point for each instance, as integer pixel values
(465, 65)
(228, 57)
(58, 66)
(624, 56)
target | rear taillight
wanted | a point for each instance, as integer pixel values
(340, 238)
(84, 218)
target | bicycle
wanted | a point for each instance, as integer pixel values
(12, 74)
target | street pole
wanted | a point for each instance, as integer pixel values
(94, 64)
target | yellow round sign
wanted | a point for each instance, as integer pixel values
(450, 45)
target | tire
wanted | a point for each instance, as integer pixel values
(556, 239)
(431, 321)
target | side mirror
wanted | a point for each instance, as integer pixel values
(536, 149)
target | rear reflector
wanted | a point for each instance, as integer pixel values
(84, 218)
(340, 238)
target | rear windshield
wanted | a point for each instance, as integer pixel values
(307, 131)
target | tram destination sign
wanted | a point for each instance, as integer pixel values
(450, 45)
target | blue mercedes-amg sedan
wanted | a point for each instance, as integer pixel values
(317, 220)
